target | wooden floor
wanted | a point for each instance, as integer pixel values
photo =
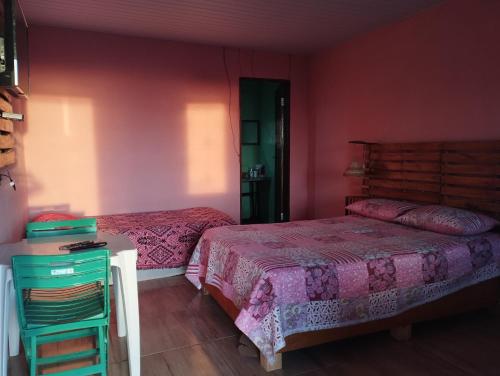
(186, 333)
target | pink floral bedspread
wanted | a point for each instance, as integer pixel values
(164, 239)
(310, 275)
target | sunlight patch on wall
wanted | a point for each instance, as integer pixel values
(61, 154)
(206, 148)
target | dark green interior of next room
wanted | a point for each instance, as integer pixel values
(258, 150)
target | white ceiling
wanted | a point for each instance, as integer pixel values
(294, 26)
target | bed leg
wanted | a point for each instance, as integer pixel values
(401, 333)
(247, 348)
(205, 291)
(268, 366)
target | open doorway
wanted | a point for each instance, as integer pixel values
(265, 149)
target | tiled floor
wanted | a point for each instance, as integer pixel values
(186, 333)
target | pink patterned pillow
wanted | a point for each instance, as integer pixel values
(381, 208)
(446, 220)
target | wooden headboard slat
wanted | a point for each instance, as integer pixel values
(471, 181)
(406, 166)
(417, 196)
(407, 176)
(480, 205)
(388, 156)
(467, 169)
(406, 185)
(418, 146)
(471, 157)
(468, 192)
(459, 174)
(477, 146)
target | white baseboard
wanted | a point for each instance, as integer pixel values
(147, 274)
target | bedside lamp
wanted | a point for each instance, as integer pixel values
(356, 168)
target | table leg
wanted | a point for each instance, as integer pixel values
(255, 201)
(4, 293)
(128, 272)
(120, 316)
(14, 332)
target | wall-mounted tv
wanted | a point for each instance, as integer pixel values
(14, 58)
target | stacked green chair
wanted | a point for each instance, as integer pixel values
(63, 297)
(57, 228)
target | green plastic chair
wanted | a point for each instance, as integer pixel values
(56, 228)
(63, 297)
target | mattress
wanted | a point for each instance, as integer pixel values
(164, 239)
(304, 276)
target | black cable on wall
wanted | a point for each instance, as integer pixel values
(228, 77)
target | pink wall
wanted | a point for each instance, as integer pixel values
(13, 204)
(120, 124)
(432, 77)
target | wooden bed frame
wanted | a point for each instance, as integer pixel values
(458, 174)
(482, 295)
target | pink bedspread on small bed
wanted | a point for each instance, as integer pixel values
(303, 276)
(164, 239)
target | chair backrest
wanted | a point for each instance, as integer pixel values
(74, 281)
(56, 228)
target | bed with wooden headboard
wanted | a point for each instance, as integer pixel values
(457, 174)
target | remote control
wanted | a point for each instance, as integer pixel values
(69, 246)
(82, 245)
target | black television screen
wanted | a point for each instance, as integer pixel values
(14, 58)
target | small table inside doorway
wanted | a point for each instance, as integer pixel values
(257, 187)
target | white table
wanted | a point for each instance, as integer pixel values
(123, 266)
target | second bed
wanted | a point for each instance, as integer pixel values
(164, 239)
